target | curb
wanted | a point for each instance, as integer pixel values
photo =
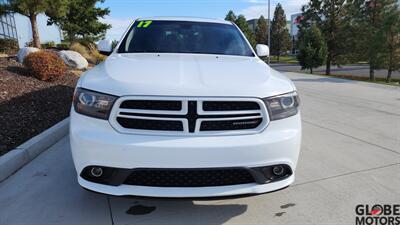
(26, 152)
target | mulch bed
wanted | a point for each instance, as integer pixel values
(29, 106)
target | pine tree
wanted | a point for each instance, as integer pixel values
(262, 31)
(366, 18)
(312, 48)
(82, 20)
(388, 41)
(280, 38)
(32, 8)
(230, 16)
(328, 16)
(241, 22)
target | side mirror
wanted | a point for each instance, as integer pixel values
(105, 47)
(262, 50)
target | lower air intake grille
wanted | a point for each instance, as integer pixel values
(150, 124)
(188, 177)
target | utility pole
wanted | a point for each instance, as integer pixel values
(269, 32)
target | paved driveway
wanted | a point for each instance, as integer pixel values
(350, 155)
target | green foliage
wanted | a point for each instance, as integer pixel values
(364, 22)
(262, 31)
(388, 41)
(328, 16)
(230, 16)
(31, 8)
(8, 46)
(63, 45)
(312, 48)
(50, 44)
(241, 22)
(280, 38)
(45, 65)
(82, 20)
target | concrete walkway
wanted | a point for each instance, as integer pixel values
(350, 155)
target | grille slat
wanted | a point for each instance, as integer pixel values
(145, 124)
(229, 105)
(189, 177)
(230, 124)
(152, 105)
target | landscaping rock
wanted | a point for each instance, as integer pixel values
(73, 59)
(23, 52)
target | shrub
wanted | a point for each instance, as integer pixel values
(50, 44)
(89, 52)
(81, 49)
(63, 46)
(8, 46)
(96, 56)
(45, 65)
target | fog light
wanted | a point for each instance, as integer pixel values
(278, 170)
(96, 171)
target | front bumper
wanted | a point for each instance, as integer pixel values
(95, 142)
(186, 192)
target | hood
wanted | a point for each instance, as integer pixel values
(185, 75)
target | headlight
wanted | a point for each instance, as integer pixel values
(282, 106)
(92, 103)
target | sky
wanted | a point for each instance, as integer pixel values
(123, 12)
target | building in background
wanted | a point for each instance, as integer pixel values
(252, 25)
(18, 27)
(8, 29)
(294, 30)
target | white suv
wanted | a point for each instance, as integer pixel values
(183, 107)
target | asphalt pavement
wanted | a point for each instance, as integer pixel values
(358, 70)
(350, 155)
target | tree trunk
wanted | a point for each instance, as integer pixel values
(371, 72)
(390, 69)
(35, 31)
(311, 70)
(278, 55)
(328, 65)
(389, 75)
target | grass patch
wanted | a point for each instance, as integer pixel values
(394, 82)
(284, 59)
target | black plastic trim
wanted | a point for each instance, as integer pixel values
(117, 176)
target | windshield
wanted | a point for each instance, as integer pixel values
(184, 37)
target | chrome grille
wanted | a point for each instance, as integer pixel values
(188, 116)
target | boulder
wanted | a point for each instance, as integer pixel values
(73, 59)
(23, 52)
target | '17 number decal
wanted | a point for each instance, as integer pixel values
(144, 24)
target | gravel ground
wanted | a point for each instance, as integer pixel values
(29, 106)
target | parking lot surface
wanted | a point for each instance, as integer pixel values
(350, 155)
(358, 70)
